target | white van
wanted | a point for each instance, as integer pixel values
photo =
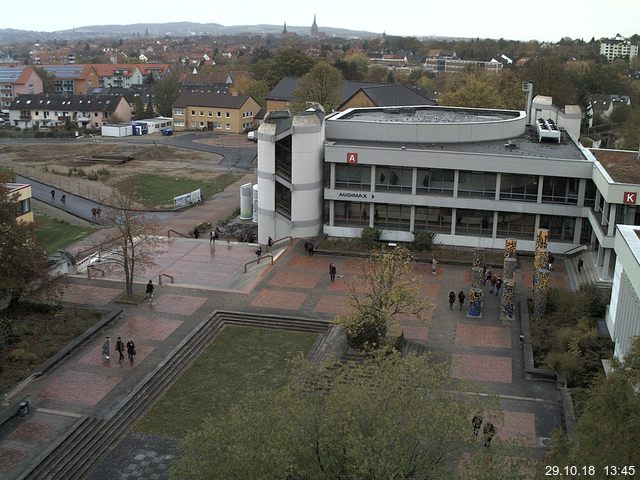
(252, 135)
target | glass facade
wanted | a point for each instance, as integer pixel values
(474, 222)
(356, 177)
(392, 217)
(435, 181)
(355, 214)
(519, 187)
(476, 184)
(397, 179)
(433, 219)
(560, 190)
(516, 225)
(560, 228)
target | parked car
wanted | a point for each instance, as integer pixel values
(252, 135)
(166, 131)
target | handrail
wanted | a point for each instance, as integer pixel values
(257, 260)
(175, 231)
(579, 248)
(288, 237)
(91, 267)
(165, 275)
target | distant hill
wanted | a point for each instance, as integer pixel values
(174, 29)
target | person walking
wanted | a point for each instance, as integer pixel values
(259, 254)
(498, 286)
(488, 275)
(461, 298)
(53, 195)
(452, 299)
(476, 423)
(106, 347)
(120, 349)
(63, 199)
(211, 238)
(310, 249)
(269, 244)
(131, 350)
(434, 266)
(488, 431)
(196, 233)
(493, 281)
(580, 264)
(94, 213)
(149, 291)
(332, 272)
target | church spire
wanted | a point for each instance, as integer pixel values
(314, 27)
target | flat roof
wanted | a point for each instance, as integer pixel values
(525, 146)
(13, 187)
(623, 166)
(427, 114)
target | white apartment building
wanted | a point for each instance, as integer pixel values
(618, 47)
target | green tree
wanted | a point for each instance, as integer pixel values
(384, 289)
(354, 67)
(287, 62)
(48, 79)
(138, 108)
(471, 90)
(387, 418)
(630, 131)
(608, 431)
(257, 89)
(22, 261)
(551, 78)
(149, 112)
(322, 84)
(165, 92)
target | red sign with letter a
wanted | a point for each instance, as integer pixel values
(630, 198)
(352, 157)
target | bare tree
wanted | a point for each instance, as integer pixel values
(131, 243)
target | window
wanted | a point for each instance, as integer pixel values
(210, 114)
(435, 182)
(201, 113)
(560, 228)
(351, 213)
(590, 194)
(560, 190)
(218, 114)
(476, 184)
(392, 217)
(24, 206)
(219, 126)
(193, 113)
(397, 179)
(515, 225)
(227, 126)
(227, 115)
(179, 111)
(519, 187)
(179, 123)
(201, 124)
(435, 219)
(353, 176)
(474, 222)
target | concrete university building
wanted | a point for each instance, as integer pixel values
(474, 177)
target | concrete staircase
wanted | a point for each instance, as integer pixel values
(589, 274)
(78, 450)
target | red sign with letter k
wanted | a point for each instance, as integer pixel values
(630, 198)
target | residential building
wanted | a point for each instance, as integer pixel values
(213, 111)
(17, 80)
(75, 79)
(603, 105)
(353, 94)
(618, 47)
(472, 177)
(89, 111)
(455, 65)
(22, 194)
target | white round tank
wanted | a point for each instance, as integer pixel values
(246, 201)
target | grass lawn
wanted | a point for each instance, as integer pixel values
(39, 331)
(239, 360)
(54, 234)
(159, 190)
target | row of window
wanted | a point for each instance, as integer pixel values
(470, 183)
(439, 220)
(201, 113)
(215, 125)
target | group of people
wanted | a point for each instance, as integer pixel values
(130, 348)
(96, 212)
(494, 281)
(452, 299)
(214, 235)
(488, 431)
(63, 198)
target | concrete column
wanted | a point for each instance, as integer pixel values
(456, 178)
(604, 270)
(332, 213)
(578, 229)
(536, 227)
(372, 212)
(540, 184)
(494, 230)
(414, 182)
(611, 229)
(373, 179)
(498, 180)
(582, 188)
(454, 216)
(332, 179)
(412, 220)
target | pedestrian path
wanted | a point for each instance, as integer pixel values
(484, 353)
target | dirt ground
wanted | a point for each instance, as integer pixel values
(51, 163)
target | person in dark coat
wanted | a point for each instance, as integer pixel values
(120, 349)
(310, 249)
(332, 272)
(149, 291)
(259, 254)
(452, 299)
(196, 233)
(498, 285)
(53, 194)
(488, 431)
(461, 298)
(580, 264)
(269, 244)
(131, 350)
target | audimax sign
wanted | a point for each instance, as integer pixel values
(361, 195)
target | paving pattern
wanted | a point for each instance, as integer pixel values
(209, 278)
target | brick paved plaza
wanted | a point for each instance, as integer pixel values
(481, 351)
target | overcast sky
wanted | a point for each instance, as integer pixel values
(511, 19)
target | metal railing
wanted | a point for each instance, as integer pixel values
(176, 232)
(288, 238)
(170, 277)
(577, 249)
(257, 260)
